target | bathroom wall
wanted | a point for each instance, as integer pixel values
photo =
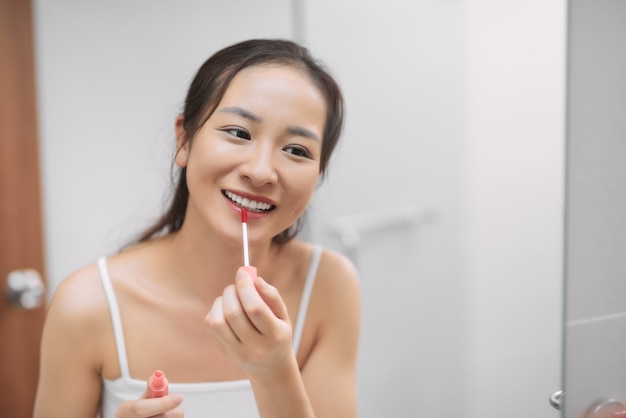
(405, 145)
(516, 107)
(454, 107)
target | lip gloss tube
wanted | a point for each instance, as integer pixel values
(246, 246)
(157, 385)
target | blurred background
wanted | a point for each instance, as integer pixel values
(447, 188)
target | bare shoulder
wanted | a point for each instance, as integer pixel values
(337, 271)
(74, 338)
(79, 304)
(336, 299)
(335, 318)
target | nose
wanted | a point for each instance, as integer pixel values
(259, 167)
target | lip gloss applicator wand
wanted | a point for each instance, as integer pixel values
(246, 246)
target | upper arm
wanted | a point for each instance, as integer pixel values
(329, 373)
(69, 381)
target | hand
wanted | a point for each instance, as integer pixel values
(250, 324)
(163, 407)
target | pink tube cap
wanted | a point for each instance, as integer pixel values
(157, 385)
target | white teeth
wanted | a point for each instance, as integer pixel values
(247, 203)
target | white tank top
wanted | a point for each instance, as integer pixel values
(230, 399)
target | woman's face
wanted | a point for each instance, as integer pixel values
(259, 149)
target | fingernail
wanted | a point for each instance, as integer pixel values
(178, 399)
(241, 274)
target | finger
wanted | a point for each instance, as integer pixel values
(255, 307)
(272, 298)
(174, 413)
(218, 326)
(235, 313)
(149, 407)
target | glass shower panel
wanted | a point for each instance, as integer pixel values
(595, 241)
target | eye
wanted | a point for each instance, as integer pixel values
(237, 132)
(298, 151)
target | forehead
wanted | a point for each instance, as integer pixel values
(277, 79)
(269, 69)
(279, 93)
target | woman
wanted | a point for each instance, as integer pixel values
(259, 125)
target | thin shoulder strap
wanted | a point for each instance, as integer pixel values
(115, 316)
(306, 296)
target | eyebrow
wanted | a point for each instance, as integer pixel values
(302, 132)
(241, 112)
(295, 130)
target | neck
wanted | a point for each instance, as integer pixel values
(205, 263)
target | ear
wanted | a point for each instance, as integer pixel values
(182, 143)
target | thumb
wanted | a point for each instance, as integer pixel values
(272, 298)
(174, 398)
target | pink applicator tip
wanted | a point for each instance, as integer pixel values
(244, 215)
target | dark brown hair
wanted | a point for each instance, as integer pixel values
(206, 92)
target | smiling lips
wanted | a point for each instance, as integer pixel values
(251, 205)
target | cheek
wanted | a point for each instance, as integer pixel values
(208, 157)
(302, 187)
